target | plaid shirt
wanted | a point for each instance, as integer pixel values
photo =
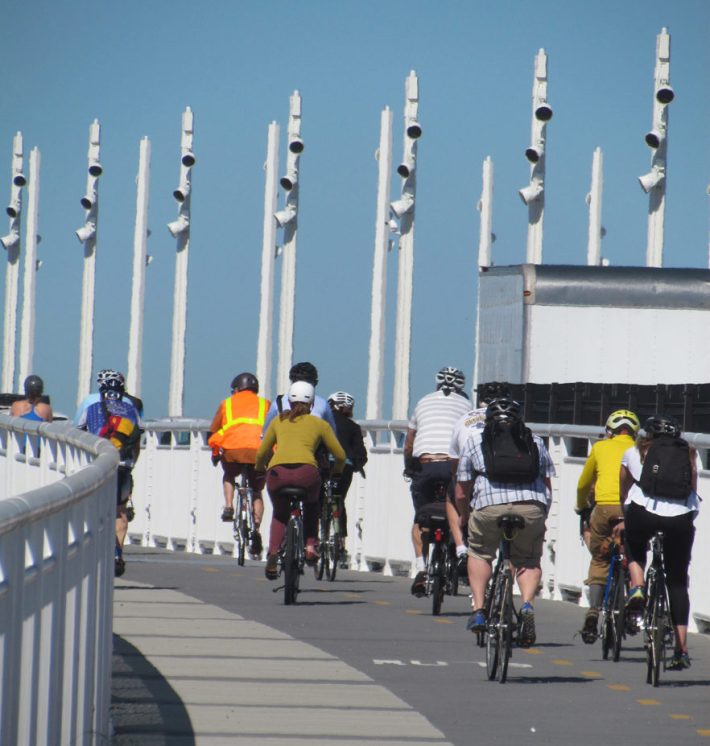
(485, 493)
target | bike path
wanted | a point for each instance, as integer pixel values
(371, 628)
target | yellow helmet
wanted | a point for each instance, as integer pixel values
(623, 417)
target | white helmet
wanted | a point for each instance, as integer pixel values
(301, 391)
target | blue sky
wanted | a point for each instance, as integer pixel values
(136, 65)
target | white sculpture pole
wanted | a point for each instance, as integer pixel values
(533, 195)
(180, 229)
(404, 209)
(140, 254)
(87, 236)
(11, 243)
(27, 325)
(594, 200)
(264, 347)
(376, 368)
(288, 220)
(654, 182)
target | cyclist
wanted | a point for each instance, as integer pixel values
(601, 473)
(96, 396)
(296, 434)
(426, 452)
(116, 418)
(646, 514)
(235, 438)
(351, 439)
(482, 501)
(32, 407)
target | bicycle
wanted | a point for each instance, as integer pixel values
(330, 533)
(292, 556)
(612, 615)
(656, 621)
(244, 525)
(440, 562)
(502, 618)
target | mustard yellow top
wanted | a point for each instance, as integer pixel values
(297, 442)
(602, 471)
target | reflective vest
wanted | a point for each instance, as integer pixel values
(242, 422)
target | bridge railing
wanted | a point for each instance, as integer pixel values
(178, 501)
(57, 518)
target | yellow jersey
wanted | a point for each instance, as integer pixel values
(602, 471)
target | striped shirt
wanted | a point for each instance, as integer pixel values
(434, 418)
(474, 419)
(485, 493)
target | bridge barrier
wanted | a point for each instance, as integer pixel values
(57, 528)
(178, 501)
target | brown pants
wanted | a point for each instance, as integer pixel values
(599, 543)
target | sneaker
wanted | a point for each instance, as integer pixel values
(477, 621)
(419, 584)
(120, 567)
(228, 515)
(636, 598)
(272, 566)
(344, 559)
(679, 661)
(591, 624)
(256, 546)
(527, 637)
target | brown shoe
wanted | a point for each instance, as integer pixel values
(272, 566)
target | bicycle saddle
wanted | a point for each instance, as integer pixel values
(295, 493)
(510, 522)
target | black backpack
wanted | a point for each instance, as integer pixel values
(510, 454)
(666, 469)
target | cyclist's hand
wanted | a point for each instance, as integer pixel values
(216, 458)
(408, 473)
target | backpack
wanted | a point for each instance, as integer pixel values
(666, 469)
(121, 431)
(510, 454)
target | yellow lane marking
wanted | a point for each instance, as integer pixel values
(413, 611)
(592, 674)
(703, 731)
(352, 595)
(210, 569)
(619, 687)
(383, 603)
(648, 701)
(681, 717)
(532, 651)
(562, 662)
(443, 621)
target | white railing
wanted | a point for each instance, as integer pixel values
(57, 514)
(178, 500)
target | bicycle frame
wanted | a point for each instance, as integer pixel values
(330, 532)
(613, 614)
(292, 553)
(244, 523)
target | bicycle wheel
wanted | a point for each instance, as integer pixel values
(243, 531)
(323, 561)
(492, 638)
(607, 617)
(658, 634)
(291, 570)
(436, 572)
(333, 549)
(618, 611)
(505, 628)
(452, 570)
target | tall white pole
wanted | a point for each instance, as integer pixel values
(376, 368)
(27, 326)
(264, 346)
(11, 243)
(288, 218)
(654, 182)
(87, 236)
(533, 195)
(140, 254)
(485, 245)
(594, 200)
(404, 209)
(181, 230)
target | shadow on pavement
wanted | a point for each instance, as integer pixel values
(145, 709)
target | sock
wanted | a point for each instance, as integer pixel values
(461, 550)
(419, 564)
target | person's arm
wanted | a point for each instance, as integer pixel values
(462, 492)
(273, 411)
(45, 412)
(408, 450)
(333, 445)
(625, 483)
(15, 409)
(585, 483)
(263, 454)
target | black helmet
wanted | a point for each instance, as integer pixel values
(245, 382)
(113, 385)
(450, 379)
(661, 424)
(487, 392)
(304, 372)
(503, 410)
(34, 386)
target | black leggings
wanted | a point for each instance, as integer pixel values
(640, 525)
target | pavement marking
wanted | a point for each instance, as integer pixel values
(353, 595)
(383, 603)
(413, 611)
(648, 701)
(532, 651)
(511, 664)
(703, 731)
(562, 662)
(680, 717)
(210, 569)
(619, 687)
(443, 621)
(592, 674)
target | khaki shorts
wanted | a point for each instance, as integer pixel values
(526, 548)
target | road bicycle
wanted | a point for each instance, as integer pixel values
(656, 620)
(503, 620)
(441, 565)
(330, 531)
(612, 615)
(244, 527)
(292, 555)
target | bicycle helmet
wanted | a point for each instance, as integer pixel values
(107, 374)
(245, 382)
(661, 424)
(450, 379)
(487, 392)
(113, 385)
(341, 400)
(301, 391)
(304, 372)
(623, 418)
(34, 386)
(503, 410)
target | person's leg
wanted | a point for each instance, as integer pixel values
(639, 527)
(228, 477)
(677, 550)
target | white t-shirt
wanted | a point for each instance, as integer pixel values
(434, 418)
(473, 420)
(658, 505)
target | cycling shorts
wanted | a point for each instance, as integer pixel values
(233, 469)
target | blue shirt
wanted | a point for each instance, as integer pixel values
(320, 408)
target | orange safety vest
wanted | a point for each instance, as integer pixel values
(242, 422)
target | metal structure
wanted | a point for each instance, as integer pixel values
(27, 323)
(11, 243)
(87, 236)
(654, 182)
(533, 195)
(264, 345)
(140, 254)
(288, 220)
(376, 366)
(594, 201)
(403, 210)
(180, 229)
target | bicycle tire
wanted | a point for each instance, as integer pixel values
(452, 566)
(607, 617)
(618, 612)
(323, 559)
(658, 634)
(492, 639)
(437, 585)
(291, 571)
(243, 531)
(334, 552)
(505, 628)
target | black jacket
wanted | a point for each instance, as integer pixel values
(351, 439)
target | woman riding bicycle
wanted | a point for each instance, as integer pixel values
(647, 511)
(289, 449)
